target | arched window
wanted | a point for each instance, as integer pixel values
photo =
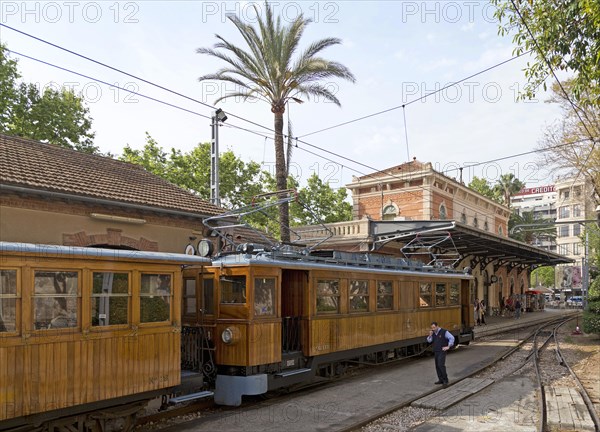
(463, 218)
(500, 230)
(443, 213)
(485, 226)
(475, 222)
(390, 212)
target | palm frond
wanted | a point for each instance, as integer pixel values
(316, 89)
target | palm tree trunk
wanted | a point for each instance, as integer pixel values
(280, 175)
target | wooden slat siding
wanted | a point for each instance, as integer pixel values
(264, 343)
(336, 333)
(4, 383)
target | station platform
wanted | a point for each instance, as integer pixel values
(498, 324)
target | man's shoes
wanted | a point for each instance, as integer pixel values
(446, 383)
(438, 382)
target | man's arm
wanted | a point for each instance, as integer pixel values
(450, 339)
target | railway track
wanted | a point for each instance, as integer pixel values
(530, 348)
(537, 335)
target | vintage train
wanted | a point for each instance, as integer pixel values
(89, 334)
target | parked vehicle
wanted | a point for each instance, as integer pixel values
(575, 301)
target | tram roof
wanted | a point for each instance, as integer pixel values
(44, 250)
(360, 263)
(467, 241)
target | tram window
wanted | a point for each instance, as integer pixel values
(55, 299)
(328, 296)
(425, 295)
(359, 296)
(233, 289)
(209, 296)
(385, 295)
(110, 298)
(440, 294)
(155, 298)
(8, 301)
(454, 295)
(189, 297)
(264, 296)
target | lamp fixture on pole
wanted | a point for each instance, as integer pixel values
(218, 117)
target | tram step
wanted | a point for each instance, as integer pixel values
(292, 372)
(190, 397)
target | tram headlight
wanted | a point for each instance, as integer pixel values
(230, 335)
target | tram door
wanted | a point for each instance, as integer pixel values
(294, 289)
(466, 303)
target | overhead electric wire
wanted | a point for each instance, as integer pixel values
(414, 100)
(132, 76)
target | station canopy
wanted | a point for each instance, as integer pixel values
(451, 236)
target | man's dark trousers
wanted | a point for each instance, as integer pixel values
(440, 365)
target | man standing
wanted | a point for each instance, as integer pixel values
(442, 341)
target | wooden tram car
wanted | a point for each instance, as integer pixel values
(280, 319)
(86, 330)
(88, 334)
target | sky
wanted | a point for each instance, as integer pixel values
(399, 51)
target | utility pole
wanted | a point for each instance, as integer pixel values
(585, 282)
(215, 196)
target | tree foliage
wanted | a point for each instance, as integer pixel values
(567, 145)
(543, 276)
(266, 69)
(543, 229)
(564, 36)
(507, 186)
(483, 187)
(54, 116)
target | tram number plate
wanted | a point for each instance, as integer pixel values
(289, 363)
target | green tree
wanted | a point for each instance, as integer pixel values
(54, 116)
(266, 70)
(239, 181)
(566, 145)
(542, 229)
(543, 276)
(507, 186)
(325, 204)
(482, 186)
(565, 36)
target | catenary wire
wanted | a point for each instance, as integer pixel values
(375, 170)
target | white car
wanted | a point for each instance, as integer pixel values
(575, 301)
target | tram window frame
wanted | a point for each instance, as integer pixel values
(422, 302)
(7, 298)
(187, 296)
(265, 311)
(441, 293)
(146, 297)
(208, 301)
(363, 292)
(239, 298)
(336, 296)
(454, 288)
(110, 296)
(37, 298)
(389, 296)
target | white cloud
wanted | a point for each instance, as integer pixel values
(467, 27)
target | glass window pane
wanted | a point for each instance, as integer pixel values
(155, 308)
(189, 305)
(156, 284)
(8, 282)
(107, 310)
(425, 295)
(359, 295)
(385, 294)
(8, 317)
(110, 283)
(328, 304)
(359, 287)
(56, 282)
(328, 287)
(264, 296)
(440, 294)
(209, 296)
(233, 289)
(190, 288)
(454, 295)
(54, 312)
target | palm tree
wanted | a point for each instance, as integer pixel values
(266, 70)
(507, 186)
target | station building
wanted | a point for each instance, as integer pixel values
(414, 211)
(57, 196)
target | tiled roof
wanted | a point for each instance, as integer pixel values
(34, 165)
